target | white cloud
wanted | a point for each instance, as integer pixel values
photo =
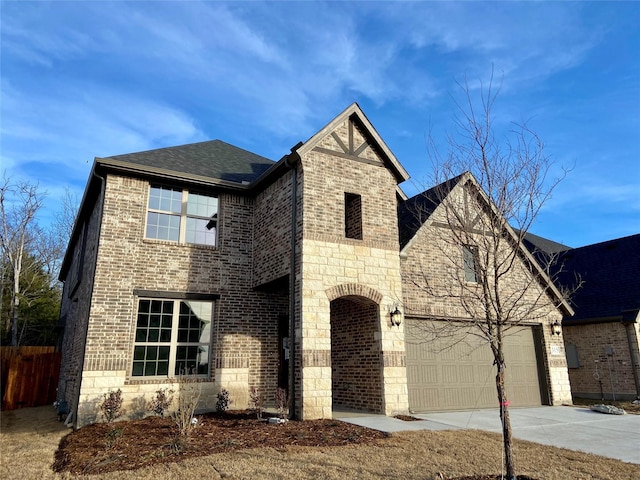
(69, 129)
(82, 79)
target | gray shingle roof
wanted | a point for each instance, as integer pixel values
(535, 243)
(611, 274)
(213, 159)
(413, 212)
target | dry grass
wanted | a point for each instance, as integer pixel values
(28, 440)
(30, 437)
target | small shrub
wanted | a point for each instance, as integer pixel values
(282, 403)
(256, 401)
(112, 436)
(176, 445)
(189, 391)
(161, 401)
(111, 406)
(223, 400)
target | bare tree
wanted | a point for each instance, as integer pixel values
(19, 204)
(65, 215)
(490, 190)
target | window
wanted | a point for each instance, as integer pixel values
(173, 337)
(353, 216)
(182, 216)
(470, 263)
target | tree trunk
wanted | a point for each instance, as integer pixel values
(506, 423)
(15, 303)
(17, 270)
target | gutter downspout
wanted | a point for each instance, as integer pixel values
(291, 162)
(633, 357)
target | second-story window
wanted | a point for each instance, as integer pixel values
(470, 263)
(353, 216)
(182, 216)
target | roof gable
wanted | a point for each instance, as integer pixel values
(417, 212)
(360, 141)
(414, 212)
(213, 159)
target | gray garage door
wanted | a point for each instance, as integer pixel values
(456, 372)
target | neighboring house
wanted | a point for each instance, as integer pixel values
(602, 339)
(209, 259)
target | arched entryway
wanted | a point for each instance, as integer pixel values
(356, 354)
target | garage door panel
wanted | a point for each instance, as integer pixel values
(457, 372)
(466, 374)
(425, 396)
(422, 374)
(450, 374)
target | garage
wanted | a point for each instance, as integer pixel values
(456, 372)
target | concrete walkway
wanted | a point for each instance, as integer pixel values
(613, 436)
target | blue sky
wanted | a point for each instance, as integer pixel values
(87, 79)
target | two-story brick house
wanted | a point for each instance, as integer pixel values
(209, 258)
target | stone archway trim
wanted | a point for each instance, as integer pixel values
(354, 289)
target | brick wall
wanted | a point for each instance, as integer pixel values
(272, 232)
(245, 321)
(605, 364)
(355, 355)
(76, 304)
(326, 180)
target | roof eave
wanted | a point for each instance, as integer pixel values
(354, 109)
(143, 170)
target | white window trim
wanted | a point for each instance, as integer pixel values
(183, 217)
(173, 344)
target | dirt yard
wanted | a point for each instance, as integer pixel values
(30, 440)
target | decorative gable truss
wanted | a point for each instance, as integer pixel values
(350, 135)
(348, 142)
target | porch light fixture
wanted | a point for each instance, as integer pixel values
(556, 328)
(396, 316)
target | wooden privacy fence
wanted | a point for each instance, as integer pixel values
(29, 376)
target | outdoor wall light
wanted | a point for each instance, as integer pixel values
(396, 316)
(556, 328)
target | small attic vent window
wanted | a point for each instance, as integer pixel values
(353, 216)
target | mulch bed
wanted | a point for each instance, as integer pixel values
(129, 445)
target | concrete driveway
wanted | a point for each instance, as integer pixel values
(613, 436)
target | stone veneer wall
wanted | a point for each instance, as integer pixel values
(245, 324)
(600, 374)
(330, 262)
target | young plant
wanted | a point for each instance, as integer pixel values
(189, 391)
(223, 400)
(111, 406)
(282, 403)
(256, 401)
(113, 435)
(161, 401)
